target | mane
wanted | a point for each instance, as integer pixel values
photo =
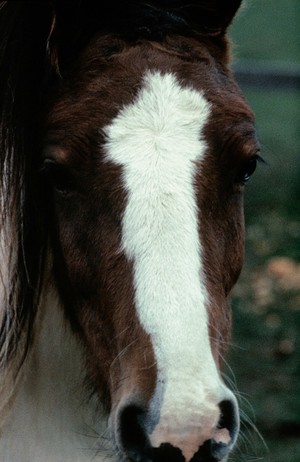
(37, 41)
(24, 27)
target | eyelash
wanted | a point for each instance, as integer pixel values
(247, 170)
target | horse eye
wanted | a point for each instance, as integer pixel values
(58, 177)
(247, 170)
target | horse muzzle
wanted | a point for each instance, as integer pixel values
(195, 435)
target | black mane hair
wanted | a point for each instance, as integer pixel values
(24, 64)
(78, 20)
(37, 39)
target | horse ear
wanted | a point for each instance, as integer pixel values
(211, 16)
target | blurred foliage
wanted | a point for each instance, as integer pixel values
(265, 352)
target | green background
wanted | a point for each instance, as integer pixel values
(265, 353)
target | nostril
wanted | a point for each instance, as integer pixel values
(219, 451)
(229, 419)
(132, 433)
(135, 444)
(224, 436)
(226, 433)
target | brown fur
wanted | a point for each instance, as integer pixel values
(94, 67)
(98, 275)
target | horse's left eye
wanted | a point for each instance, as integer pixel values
(58, 177)
(247, 169)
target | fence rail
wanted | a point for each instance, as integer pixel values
(267, 74)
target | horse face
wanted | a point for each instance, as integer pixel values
(145, 158)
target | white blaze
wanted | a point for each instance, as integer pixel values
(158, 142)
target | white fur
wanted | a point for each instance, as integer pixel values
(51, 419)
(158, 141)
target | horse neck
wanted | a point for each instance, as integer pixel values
(50, 418)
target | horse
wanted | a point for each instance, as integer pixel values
(126, 145)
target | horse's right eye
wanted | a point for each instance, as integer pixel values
(247, 169)
(58, 177)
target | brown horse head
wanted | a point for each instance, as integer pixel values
(148, 143)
